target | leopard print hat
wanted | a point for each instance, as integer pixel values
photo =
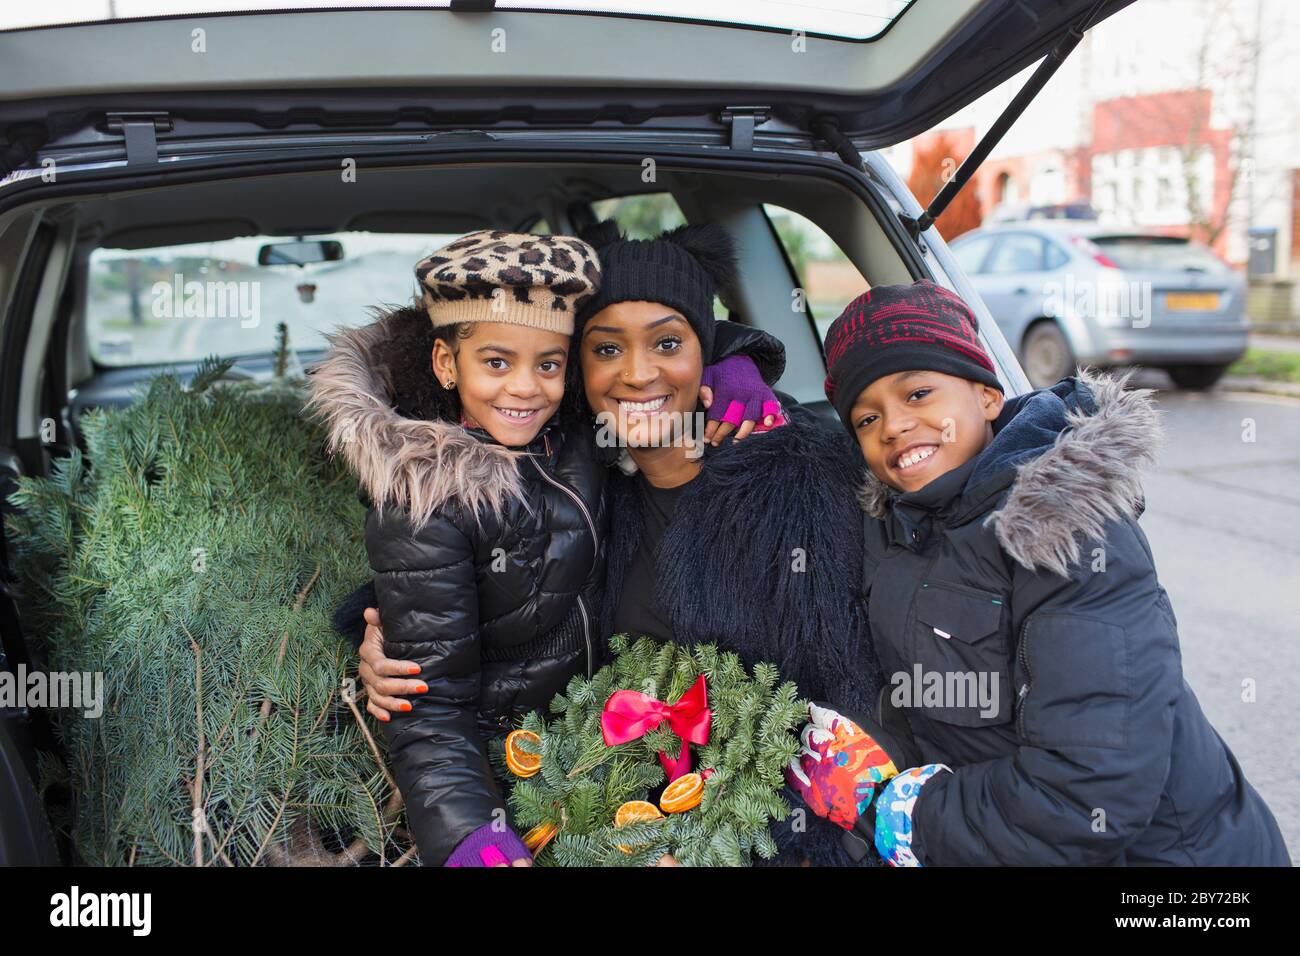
(512, 277)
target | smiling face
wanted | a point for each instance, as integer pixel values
(913, 427)
(510, 378)
(641, 365)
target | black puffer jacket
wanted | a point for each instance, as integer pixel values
(1026, 568)
(488, 573)
(489, 565)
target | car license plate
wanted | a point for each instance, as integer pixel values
(1192, 301)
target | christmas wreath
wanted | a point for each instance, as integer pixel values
(618, 776)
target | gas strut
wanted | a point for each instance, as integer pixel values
(1050, 64)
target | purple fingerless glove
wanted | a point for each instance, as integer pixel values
(739, 393)
(489, 847)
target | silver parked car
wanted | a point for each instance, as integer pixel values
(1066, 292)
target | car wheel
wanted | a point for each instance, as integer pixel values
(1046, 356)
(1196, 377)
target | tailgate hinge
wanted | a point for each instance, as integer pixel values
(742, 120)
(24, 139)
(141, 133)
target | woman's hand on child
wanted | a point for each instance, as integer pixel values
(743, 400)
(842, 767)
(387, 681)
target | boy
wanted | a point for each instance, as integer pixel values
(1037, 712)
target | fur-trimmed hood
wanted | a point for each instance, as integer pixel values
(1062, 463)
(411, 463)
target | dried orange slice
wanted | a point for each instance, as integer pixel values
(635, 811)
(684, 793)
(522, 764)
(540, 835)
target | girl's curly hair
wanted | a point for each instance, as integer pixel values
(406, 355)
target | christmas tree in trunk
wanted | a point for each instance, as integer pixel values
(193, 557)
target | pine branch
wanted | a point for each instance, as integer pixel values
(298, 602)
(210, 371)
(198, 759)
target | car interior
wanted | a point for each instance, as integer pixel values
(66, 369)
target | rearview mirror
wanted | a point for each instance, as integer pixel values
(300, 253)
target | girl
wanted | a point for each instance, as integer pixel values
(486, 526)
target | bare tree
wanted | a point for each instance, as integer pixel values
(1222, 73)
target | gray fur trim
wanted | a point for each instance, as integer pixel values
(412, 464)
(873, 495)
(1092, 474)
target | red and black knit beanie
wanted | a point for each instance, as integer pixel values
(902, 328)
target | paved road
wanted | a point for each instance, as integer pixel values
(1223, 518)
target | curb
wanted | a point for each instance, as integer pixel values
(1261, 386)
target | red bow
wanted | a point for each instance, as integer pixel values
(629, 714)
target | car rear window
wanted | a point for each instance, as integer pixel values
(851, 19)
(642, 216)
(1158, 253)
(181, 303)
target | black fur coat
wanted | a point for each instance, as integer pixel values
(763, 557)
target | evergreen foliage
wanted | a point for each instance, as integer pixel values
(194, 556)
(582, 783)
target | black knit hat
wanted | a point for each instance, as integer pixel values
(902, 328)
(683, 269)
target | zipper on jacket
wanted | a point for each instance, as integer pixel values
(577, 500)
(595, 545)
(586, 633)
(1024, 688)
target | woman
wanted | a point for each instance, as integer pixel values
(754, 546)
